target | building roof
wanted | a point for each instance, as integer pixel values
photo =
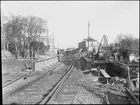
(89, 39)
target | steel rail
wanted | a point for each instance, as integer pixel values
(21, 87)
(36, 61)
(13, 80)
(16, 79)
(24, 74)
(58, 85)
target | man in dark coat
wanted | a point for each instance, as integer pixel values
(58, 54)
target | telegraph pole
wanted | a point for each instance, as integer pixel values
(88, 35)
(53, 41)
(38, 45)
(47, 38)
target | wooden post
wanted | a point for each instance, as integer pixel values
(98, 72)
(90, 65)
(107, 78)
(107, 81)
(88, 36)
(107, 100)
(130, 83)
(128, 77)
(33, 65)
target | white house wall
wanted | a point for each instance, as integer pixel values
(92, 44)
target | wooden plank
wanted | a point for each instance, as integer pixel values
(106, 97)
(129, 80)
(132, 96)
(105, 74)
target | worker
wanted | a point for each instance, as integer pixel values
(94, 51)
(58, 54)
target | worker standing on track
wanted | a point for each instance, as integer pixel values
(58, 54)
(93, 53)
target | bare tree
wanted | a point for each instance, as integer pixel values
(12, 29)
(22, 30)
(36, 26)
(40, 28)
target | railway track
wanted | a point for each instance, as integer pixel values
(58, 86)
(21, 75)
(34, 91)
(29, 82)
(14, 80)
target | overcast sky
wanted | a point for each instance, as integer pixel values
(69, 19)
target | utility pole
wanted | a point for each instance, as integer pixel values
(53, 41)
(47, 35)
(88, 35)
(47, 38)
(38, 45)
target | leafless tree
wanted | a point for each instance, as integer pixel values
(21, 30)
(12, 29)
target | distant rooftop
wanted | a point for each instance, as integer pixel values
(89, 39)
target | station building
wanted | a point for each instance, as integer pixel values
(92, 44)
